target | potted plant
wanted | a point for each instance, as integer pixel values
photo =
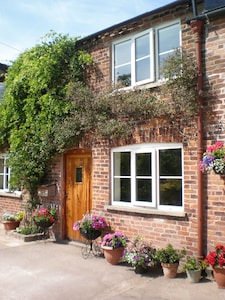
(113, 246)
(90, 226)
(12, 221)
(140, 255)
(193, 268)
(216, 259)
(44, 217)
(169, 258)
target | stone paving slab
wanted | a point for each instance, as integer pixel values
(48, 270)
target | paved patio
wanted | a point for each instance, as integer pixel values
(50, 270)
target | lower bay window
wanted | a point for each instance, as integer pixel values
(148, 175)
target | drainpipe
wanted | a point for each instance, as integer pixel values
(197, 28)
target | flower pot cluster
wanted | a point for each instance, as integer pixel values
(35, 224)
(141, 255)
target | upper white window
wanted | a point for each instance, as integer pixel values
(149, 175)
(4, 174)
(137, 59)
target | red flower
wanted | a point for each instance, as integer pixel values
(216, 258)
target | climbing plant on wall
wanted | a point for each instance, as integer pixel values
(48, 107)
(36, 85)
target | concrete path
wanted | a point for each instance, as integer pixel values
(46, 270)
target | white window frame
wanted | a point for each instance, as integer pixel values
(152, 148)
(154, 63)
(5, 174)
(157, 28)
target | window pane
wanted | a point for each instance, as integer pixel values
(170, 162)
(123, 74)
(142, 46)
(169, 38)
(78, 174)
(143, 69)
(122, 53)
(143, 164)
(122, 164)
(1, 182)
(122, 189)
(142, 55)
(171, 192)
(144, 190)
(1, 166)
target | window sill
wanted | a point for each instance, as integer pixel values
(11, 194)
(146, 211)
(140, 86)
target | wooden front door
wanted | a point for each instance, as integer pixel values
(78, 189)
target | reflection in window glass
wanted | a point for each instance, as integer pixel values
(170, 162)
(143, 164)
(142, 53)
(122, 181)
(142, 46)
(143, 177)
(123, 62)
(122, 164)
(122, 189)
(171, 192)
(1, 165)
(144, 190)
(168, 42)
(169, 38)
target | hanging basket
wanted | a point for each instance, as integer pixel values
(90, 235)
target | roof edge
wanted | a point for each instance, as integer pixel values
(167, 6)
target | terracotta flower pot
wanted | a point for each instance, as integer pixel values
(11, 225)
(113, 256)
(170, 270)
(219, 275)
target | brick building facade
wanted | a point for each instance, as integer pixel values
(194, 223)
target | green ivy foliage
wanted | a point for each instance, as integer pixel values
(36, 86)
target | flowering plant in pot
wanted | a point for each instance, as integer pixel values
(214, 159)
(169, 258)
(12, 220)
(90, 226)
(114, 240)
(140, 254)
(113, 246)
(44, 217)
(18, 216)
(216, 259)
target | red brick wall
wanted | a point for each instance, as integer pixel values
(10, 204)
(161, 229)
(181, 231)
